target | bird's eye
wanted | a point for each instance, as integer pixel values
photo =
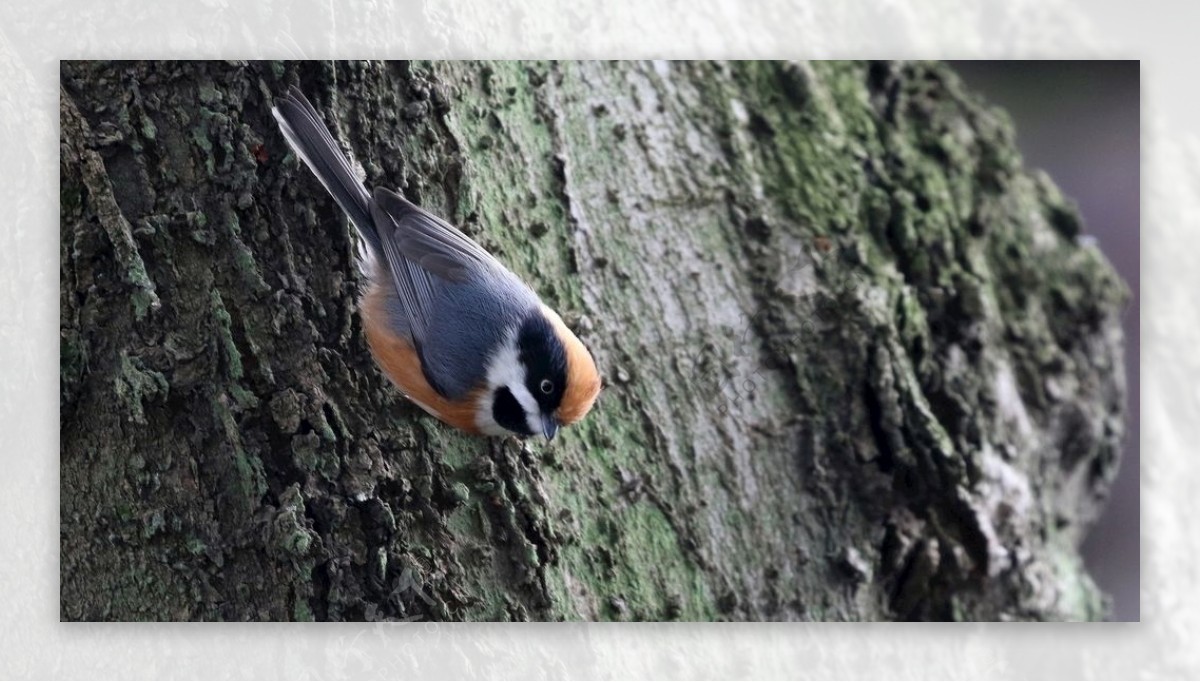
(547, 386)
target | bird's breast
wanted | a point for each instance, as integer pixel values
(396, 356)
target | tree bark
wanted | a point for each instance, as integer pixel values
(859, 363)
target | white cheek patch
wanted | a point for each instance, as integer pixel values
(505, 369)
(483, 418)
(533, 419)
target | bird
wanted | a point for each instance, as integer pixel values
(450, 326)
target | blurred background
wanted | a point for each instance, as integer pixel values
(1080, 122)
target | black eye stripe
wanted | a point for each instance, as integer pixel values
(545, 361)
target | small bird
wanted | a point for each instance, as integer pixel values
(450, 326)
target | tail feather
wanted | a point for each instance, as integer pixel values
(312, 142)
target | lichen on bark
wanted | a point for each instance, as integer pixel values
(859, 363)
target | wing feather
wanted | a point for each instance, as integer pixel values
(412, 282)
(434, 243)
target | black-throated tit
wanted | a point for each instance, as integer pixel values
(450, 326)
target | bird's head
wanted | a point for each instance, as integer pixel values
(542, 378)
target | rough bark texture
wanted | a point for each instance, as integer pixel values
(859, 363)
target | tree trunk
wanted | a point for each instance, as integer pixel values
(859, 363)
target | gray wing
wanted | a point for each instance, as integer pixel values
(435, 244)
(457, 299)
(414, 285)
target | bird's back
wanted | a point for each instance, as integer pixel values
(469, 327)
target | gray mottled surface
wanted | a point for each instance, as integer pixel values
(35, 644)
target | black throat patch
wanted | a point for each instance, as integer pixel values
(508, 412)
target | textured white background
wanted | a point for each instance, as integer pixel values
(34, 36)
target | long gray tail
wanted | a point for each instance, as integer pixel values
(310, 139)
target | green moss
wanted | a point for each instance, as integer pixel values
(149, 130)
(248, 480)
(208, 93)
(134, 384)
(310, 455)
(322, 426)
(200, 138)
(229, 350)
(1078, 597)
(243, 398)
(301, 611)
(244, 261)
(297, 542)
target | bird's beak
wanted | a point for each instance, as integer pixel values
(549, 426)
